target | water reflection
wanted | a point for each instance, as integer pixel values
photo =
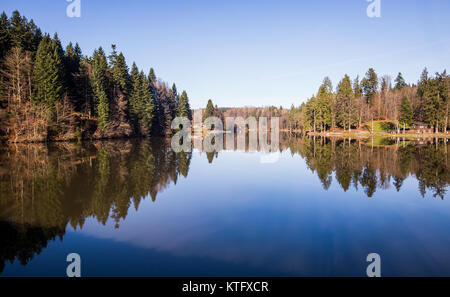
(361, 163)
(44, 189)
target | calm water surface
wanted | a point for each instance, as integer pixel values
(138, 209)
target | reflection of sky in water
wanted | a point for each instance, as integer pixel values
(238, 216)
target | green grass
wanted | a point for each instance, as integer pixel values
(381, 141)
(380, 126)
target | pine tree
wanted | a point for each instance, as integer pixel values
(5, 42)
(152, 75)
(345, 104)
(184, 109)
(47, 82)
(173, 101)
(399, 82)
(119, 70)
(209, 111)
(142, 109)
(406, 113)
(135, 96)
(370, 85)
(168, 103)
(433, 101)
(147, 109)
(84, 88)
(424, 75)
(357, 89)
(158, 118)
(323, 108)
(100, 86)
(72, 60)
(175, 94)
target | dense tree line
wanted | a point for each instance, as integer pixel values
(52, 93)
(359, 164)
(48, 187)
(356, 102)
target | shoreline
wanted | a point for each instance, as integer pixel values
(359, 134)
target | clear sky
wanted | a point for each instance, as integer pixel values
(256, 52)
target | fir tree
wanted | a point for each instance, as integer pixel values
(119, 70)
(152, 75)
(184, 109)
(406, 113)
(370, 85)
(4, 35)
(158, 118)
(399, 82)
(345, 104)
(323, 108)
(47, 83)
(357, 89)
(135, 95)
(209, 111)
(100, 86)
(147, 106)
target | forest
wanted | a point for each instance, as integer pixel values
(48, 93)
(51, 93)
(354, 103)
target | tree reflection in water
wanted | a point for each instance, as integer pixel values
(44, 188)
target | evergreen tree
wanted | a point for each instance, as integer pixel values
(100, 86)
(24, 34)
(158, 111)
(323, 108)
(47, 82)
(119, 70)
(209, 111)
(173, 103)
(357, 89)
(146, 108)
(4, 35)
(424, 75)
(370, 85)
(135, 95)
(346, 113)
(152, 75)
(184, 109)
(433, 101)
(72, 65)
(175, 95)
(399, 82)
(84, 88)
(406, 113)
(72, 58)
(142, 108)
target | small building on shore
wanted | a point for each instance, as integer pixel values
(421, 128)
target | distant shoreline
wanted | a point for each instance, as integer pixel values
(359, 134)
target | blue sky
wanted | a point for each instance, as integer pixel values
(256, 52)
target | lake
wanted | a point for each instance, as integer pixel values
(136, 208)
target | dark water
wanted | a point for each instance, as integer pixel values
(136, 208)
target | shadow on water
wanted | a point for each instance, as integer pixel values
(44, 189)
